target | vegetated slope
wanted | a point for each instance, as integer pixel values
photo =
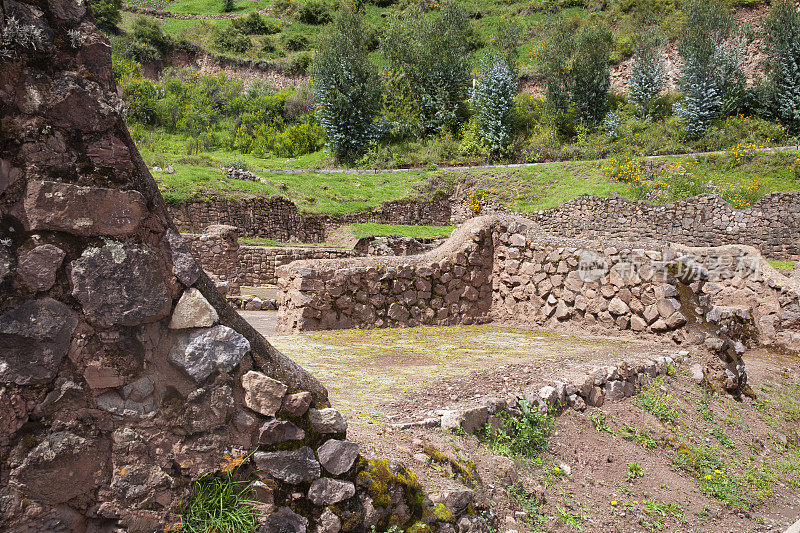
(675, 457)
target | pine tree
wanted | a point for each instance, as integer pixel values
(782, 35)
(647, 72)
(347, 87)
(493, 101)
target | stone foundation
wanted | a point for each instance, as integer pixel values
(257, 264)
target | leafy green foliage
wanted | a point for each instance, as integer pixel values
(493, 101)
(347, 87)
(634, 471)
(658, 401)
(107, 14)
(525, 436)
(219, 503)
(590, 73)
(315, 12)
(255, 24)
(431, 53)
(598, 420)
(230, 39)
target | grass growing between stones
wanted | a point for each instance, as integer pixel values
(400, 230)
(523, 437)
(219, 504)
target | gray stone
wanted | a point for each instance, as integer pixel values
(295, 467)
(398, 312)
(5, 262)
(618, 390)
(472, 524)
(284, 520)
(34, 338)
(193, 311)
(183, 264)
(202, 352)
(456, 501)
(338, 456)
(469, 420)
(327, 421)
(596, 397)
(638, 323)
(82, 210)
(548, 394)
(328, 522)
(262, 394)
(675, 320)
(697, 373)
(659, 326)
(327, 491)
(37, 267)
(114, 403)
(119, 284)
(667, 306)
(276, 431)
(244, 422)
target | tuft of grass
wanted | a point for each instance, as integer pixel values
(524, 437)
(634, 471)
(643, 438)
(599, 422)
(658, 401)
(399, 230)
(218, 503)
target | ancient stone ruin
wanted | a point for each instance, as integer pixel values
(124, 374)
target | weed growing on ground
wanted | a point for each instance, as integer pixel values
(219, 504)
(599, 422)
(704, 409)
(531, 506)
(570, 518)
(656, 512)
(520, 437)
(723, 438)
(643, 438)
(658, 401)
(634, 471)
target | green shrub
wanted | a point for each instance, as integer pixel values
(432, 54)
(151, 36)
(299, 139)
(255, 24)
(589, 72)
(228, 6)
(107, 14)
(347, 87)
(315, 12)
(295, 41)
(300, 62)
(647, 72)
(229, 39)
(524, 437)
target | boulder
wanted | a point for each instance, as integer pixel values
(119, 284)
(675, 320)
(327, 421)
(262, 394)
(37, 267)
(34, 338)
(184, 266)
(276, 431)
(456, 501)
(667, 307)
(329, 522)
(193, 311)
(472, 524)
(200, 353)
(469, 420)
(338, 456)
(618, 307)
(87, 211)
(295, 467)
(327, 491)
(284, 520)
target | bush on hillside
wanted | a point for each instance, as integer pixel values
(590, 74)
(255, 24)
(347, 87)
(107, 14)
(315, 12)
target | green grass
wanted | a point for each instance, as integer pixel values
(523, 437)
(662, 405)
(219, 504)
(398, 230)
(782, 266)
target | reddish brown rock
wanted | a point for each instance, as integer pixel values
(37, 267)
(102, 377)
(81, 210)
(297, 404)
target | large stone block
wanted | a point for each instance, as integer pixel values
(193, 311)
(295, 467)
(337, 456)
(37, 267)
(119, 284)
(262, 393)
(81, 210)
(327, 491)
(199, 353)
(34, 338)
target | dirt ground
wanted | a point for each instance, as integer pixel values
(672, 458)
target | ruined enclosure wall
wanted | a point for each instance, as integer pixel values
(279, 219)
(507, 269)
(449, 285)
(772, 225)
(257, 264)
(217, 251)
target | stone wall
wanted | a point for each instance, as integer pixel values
(257, 264)
(508, 270)
(217, 250)
(279, 219)
(125, 377)
(772, 224)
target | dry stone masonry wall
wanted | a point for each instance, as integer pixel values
(507, 269)
(257, 264)
(217, 250)
(124, 375)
